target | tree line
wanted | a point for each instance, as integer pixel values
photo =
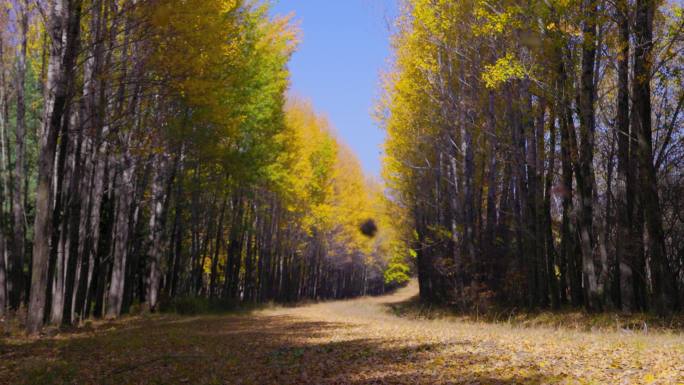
(535, 151)
(150, 152)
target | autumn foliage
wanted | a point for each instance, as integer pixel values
(534, 148)
(156, 158)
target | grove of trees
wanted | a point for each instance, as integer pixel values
(536, 151)
(149, 152)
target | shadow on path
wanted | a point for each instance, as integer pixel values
(242, 350)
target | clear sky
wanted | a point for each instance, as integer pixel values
(344, 46)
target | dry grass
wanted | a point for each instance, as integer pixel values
(348, 342)
(567, 318)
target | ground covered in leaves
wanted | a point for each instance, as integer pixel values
(348, 342)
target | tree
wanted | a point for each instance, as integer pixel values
(62, 55)
(473, 107)
(18, 215)
(163, 176)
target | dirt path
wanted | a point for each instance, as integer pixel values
(345, 342)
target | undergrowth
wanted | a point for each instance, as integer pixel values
(191, 305)
(566, 318)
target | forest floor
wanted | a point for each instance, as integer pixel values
(357, 341)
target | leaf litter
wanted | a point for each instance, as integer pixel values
(345, 342)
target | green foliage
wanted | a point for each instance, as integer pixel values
(397, 272)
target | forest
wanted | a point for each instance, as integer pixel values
(134, 176)
(535, 150)
(174, 209)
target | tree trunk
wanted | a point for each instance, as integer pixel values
(93, 221)
(18, 215)
(60, 75)
(56, 268)
(121, 236)
(160, 191)
(585, 170)
(217, 249)
(92, 188)
(663, 298)
(234, 249)
(625, 175)
(550, 247)
(4, 182)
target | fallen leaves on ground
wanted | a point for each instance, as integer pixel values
(345, 342)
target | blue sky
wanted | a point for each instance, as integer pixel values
(344, 46)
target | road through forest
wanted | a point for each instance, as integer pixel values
(345, 342)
